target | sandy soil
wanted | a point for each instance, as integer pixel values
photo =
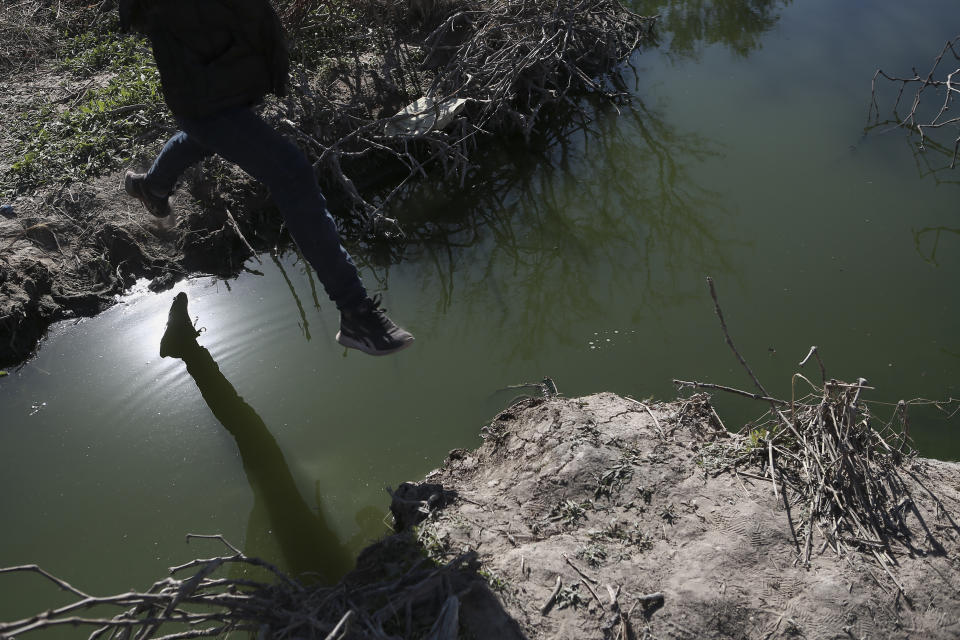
(604, 497)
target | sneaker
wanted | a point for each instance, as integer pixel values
(366, 327)
(135, 186)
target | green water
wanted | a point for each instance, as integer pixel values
(581, 258)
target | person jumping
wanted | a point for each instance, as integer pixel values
(217, 59)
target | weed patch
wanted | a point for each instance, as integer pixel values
(612, 479)
(494, 580)
(624, 533)
(434, 547)
(92, 52)
(102, 128)
(593, 553)
(569, 596)
(568, 512)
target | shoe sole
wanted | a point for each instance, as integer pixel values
(350, 343)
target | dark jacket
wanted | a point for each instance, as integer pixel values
(212, 54)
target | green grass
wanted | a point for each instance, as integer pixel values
(569, 596)
(92, 52)
(98, 130)
(495, 581)
(434, 547)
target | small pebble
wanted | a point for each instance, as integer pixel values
(7, 211)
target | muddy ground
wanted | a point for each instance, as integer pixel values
(592, 518)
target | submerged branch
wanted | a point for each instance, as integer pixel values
(949, 84)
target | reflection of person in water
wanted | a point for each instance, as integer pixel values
(305, 539)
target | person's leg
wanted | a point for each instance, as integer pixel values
(241, 137)
(180, 151)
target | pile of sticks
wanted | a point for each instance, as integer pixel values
(194, 601)
(520, 56)
(844, 470)
(507, 63)
(825, 454)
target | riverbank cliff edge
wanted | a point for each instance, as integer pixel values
(605, 517)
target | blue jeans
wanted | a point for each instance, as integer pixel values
(241, 137)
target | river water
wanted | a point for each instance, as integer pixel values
(582, 258)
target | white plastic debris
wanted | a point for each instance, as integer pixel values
(423, 115)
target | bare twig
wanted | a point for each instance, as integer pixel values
(577, 569)
(649, 412)
(215, 536)
(342, 627)
(773, 470)
(236, 229)
(586, 580)
(49, 576)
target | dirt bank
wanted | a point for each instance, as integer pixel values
(594, 518)
(597, 517)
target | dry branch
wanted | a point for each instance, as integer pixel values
(726, 334)
(694, 384)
